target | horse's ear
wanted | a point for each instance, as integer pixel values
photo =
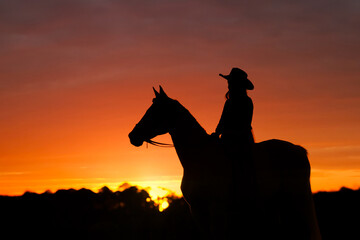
(162, 93)
(156, 93)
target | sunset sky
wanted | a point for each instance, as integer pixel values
(77, 75)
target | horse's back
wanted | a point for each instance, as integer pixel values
(281, 159)
(288, 155)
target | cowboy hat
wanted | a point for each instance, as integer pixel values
(239, 75)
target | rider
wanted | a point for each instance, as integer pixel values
(237, 137)
(235, 122)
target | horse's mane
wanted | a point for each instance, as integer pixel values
(186, 116)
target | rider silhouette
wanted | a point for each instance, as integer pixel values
(235, 122)
(237, 138)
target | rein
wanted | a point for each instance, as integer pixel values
(159, 144)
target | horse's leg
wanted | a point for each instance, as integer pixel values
(314, 227)
(298, 212)
(202, 223)
(219, 225)
(211, 222)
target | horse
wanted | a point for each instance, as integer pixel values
(284, 207)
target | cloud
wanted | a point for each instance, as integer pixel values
(12, 173)
(54, 35)
(348, 148)
(286, 44)
(338, 157)
(297, 49)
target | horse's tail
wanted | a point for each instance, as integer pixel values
(302, 150)
(302, 154)
(299, 214)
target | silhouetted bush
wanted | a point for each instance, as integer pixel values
(338, 214)
(129, 214)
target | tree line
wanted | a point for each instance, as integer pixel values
(131, 214)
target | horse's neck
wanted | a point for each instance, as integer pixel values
(187, 131)
(187, 136)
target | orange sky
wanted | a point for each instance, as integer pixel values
(76, 76)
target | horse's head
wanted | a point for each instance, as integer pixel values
(156, 121)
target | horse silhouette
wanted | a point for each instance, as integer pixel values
(284, 207)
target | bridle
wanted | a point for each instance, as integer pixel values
(159, 144)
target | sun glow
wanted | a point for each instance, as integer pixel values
(160, 197)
